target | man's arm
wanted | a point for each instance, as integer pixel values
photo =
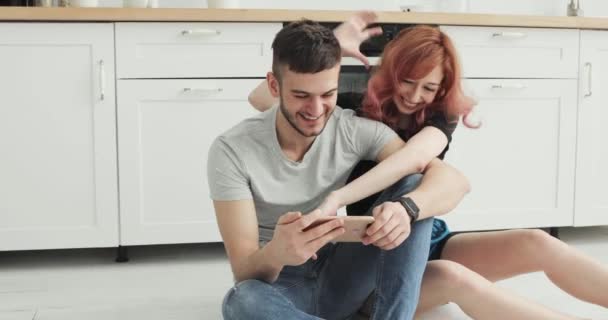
(290, 245)
(239, 229)
(441, 189)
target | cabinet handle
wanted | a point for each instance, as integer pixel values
(509, 35)
(589, 78)
(102, 80)
(202, 90)
(201, 32)
(517, 86)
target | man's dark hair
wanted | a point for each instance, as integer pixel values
(305, 46)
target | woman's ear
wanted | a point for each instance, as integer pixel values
(273, 84)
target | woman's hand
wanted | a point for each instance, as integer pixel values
(353, 32)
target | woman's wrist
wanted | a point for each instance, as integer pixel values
(337, 197)
(341, 42)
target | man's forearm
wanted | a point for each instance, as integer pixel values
(441, 189)
(260, 265)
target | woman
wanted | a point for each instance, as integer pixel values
(415, 90)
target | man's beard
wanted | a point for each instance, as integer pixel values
(292, 121)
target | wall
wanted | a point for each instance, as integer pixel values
(597, 8)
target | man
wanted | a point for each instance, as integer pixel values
(267, 176)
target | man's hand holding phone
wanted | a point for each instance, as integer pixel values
(294, 241)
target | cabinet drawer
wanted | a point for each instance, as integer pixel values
(193, 50)
(492, 52)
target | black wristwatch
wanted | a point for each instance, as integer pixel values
(410, 207)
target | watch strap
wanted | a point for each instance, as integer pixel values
(411, 208)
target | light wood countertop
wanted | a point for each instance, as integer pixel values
(259, 15)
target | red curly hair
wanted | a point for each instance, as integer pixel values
(413, 54)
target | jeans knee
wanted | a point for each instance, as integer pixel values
(406, 184)
(243, 299)
(421, 232)
(424, 224)
(399, 188)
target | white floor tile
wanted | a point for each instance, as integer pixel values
(17, 315)
(148, 311)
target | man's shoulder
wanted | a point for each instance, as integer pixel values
(344, 115)
(248, 129)
(350, 118)
(246, 139)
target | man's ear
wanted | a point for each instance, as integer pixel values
(273, 85)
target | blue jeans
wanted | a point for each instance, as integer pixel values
(337, 284)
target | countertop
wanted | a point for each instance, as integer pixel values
(263, 15)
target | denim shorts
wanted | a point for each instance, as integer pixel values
(440, 236)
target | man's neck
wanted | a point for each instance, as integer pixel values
(293, 144)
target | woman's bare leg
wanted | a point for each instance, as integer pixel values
(447, 281)
(503, 254)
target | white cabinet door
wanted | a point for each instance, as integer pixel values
(58, 179)
(521, 161)
(592, 151)
(165, 130)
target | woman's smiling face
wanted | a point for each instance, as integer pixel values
(414, 94)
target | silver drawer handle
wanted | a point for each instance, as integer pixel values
(102, 80)
(509, 35)
(517, 86)
(201, 32)
(202, 90)
(589, 78)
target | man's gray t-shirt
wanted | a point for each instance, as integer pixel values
(246, 162)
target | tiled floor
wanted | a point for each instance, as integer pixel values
(187, 282)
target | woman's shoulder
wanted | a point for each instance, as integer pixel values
(442, 121)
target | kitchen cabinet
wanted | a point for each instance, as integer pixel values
(520, 162)
(537, 160)
(166, 128)
(592, 149)
(58, 185)
(180, 86)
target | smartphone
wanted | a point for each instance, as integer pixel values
(355, 227)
